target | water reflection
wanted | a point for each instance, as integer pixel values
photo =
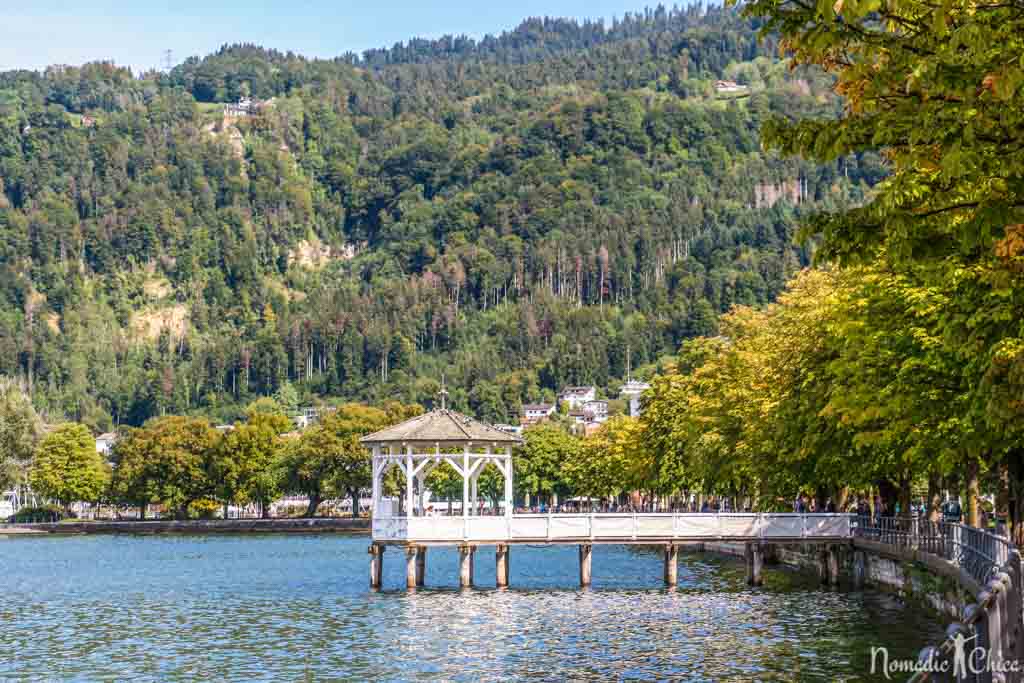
(295, 607)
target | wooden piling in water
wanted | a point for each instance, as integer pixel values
(376, 552)
(671, 564)
(501, 565)
(421, 565)
(466, 566)
(586, 554)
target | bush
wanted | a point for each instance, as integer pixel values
(203, 508)
(40, 513)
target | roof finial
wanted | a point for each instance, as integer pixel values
(443, 393)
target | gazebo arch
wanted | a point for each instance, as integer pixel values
(422, 443)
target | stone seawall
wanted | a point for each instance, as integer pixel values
(212, 526)
(912, 575)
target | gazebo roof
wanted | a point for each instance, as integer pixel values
(441, 426)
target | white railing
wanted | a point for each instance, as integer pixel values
(610, 527)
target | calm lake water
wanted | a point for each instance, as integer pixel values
(290, 607)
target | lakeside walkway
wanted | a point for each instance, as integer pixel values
(212, 526)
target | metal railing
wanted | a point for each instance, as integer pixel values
(979, 553)
(612, 527)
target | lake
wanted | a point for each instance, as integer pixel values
(298, 607)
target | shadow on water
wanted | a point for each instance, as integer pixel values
(291, 607)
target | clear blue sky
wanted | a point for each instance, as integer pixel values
(35, 33)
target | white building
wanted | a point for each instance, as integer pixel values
(105, 442)
(631, 391)
(596, 410)
(577, 396)
(535, 412)
(6, 505)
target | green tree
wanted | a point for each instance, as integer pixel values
(20, 429)
(537, 463)
(607, 462)
(169, 460)
(247, 465)
(328, 460)
(67, 468)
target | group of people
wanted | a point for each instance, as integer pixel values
(802, 505)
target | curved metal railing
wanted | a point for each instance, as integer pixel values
(979, 553)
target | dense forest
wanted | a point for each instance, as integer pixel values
(540, 208)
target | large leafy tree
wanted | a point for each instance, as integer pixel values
(327, 460)
(67, 468)
(20, 430)
(604, 466)
(246, 467)
(169, 460)
(939, 89)
(537, 463)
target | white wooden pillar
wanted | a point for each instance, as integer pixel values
(472, 493)
(376, 469)
(421, 480)
(465, 481)
(409, 503)
(509, 492)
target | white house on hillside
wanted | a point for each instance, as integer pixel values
(631, 392)
(535, 412)
(105, 442)
(577, 396)
(596, 410)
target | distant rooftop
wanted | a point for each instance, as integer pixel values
(441, 426)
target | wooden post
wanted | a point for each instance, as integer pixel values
(671, 564)
(376, 565)
(585, 558)
(421, 566)
(466, 566)
(833, 565)
(755, 562)
(860, 569)
(828, 565)
(501, 565)
(410, 566)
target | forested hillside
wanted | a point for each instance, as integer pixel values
(518, 213)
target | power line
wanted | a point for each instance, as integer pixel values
(168, 60)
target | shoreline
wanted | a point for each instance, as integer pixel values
(210, 526)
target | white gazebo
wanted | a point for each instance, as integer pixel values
(416, 447)
(419, 445)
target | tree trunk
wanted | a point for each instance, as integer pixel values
(888, 493)
(1015, 522)
(934, 497)
(354, 494)
(905, 496)
(973, 492)
(1001, 510)
(142, 511)
(820, 496)
(264, 509)
(314, 503)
